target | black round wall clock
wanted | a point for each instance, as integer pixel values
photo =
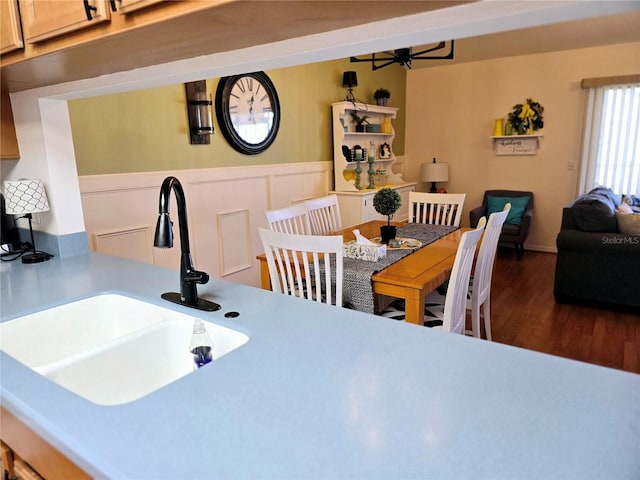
(248, 111)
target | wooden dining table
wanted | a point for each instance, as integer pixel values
(410, 278)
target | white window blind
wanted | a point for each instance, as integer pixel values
(611, 145)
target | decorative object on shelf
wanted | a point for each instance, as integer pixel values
(385, 150)
(382, 95)
(508, 128)
(358, 172)
(26, 197)
(405, 56)
(346, 151)
(350, 80)
(516, 144)
(199, 112)
(380, 178)
(358, 153)
(386, 202)
(361, 121)
(497, 127)
(385, 126)
(434, 172)
(527, 117)
(248, 111)
(370, 159)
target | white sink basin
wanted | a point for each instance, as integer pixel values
(110, 349)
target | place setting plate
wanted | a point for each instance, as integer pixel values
(401, 243)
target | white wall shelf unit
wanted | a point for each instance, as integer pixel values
(345, 135)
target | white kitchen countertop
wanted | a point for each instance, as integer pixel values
(320, 392)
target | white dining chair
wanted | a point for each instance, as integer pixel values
(436, 208)
(293, 219)
(451, 315)
(324, 214)
(305, 266)
(480, 283)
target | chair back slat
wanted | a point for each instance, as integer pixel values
(455, 305)
(293, 219)
(481, 282)
(305, 266)
(436, 208)
(324, 215)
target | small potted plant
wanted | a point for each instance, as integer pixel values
(361, 121)
(381, 96)
(387, 201)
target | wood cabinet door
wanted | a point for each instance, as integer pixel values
(8, 140)
(44, 19)
(10, 30)
(127, 6)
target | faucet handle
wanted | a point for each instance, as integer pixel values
(195, 276)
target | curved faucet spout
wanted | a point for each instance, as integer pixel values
(164, 232)
(189, 276)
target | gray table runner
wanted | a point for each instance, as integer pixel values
(357, 285)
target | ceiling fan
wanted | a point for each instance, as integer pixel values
(404, 56)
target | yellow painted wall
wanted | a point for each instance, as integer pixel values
(451, 116)
(147, 130)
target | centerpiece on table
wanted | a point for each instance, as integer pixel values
(527, 117)
(386, 202)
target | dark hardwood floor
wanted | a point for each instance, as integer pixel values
(524, 314)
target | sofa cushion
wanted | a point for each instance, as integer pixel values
(628, 223)
(518, 207)
(510, 229)
(595, 211)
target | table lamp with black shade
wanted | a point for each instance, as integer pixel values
(26, 197)
(350, 80)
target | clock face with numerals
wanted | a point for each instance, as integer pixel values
(248, 111)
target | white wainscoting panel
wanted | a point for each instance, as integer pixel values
(225, 207)
(132, 243)
(234, 246)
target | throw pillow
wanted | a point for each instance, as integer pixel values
(595, 212)
(518, 207)
(624, 208)
(628, 223)
(633, 201)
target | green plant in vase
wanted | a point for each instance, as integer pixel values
(360, 121)
(386, 202)
(381, 96)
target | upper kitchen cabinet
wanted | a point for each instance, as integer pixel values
(8, 140)
(45, 19)
(128, 6)
(10, 30)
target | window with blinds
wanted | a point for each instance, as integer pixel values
(611, 146)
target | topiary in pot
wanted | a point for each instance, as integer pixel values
(381, 96)
(387, 201)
